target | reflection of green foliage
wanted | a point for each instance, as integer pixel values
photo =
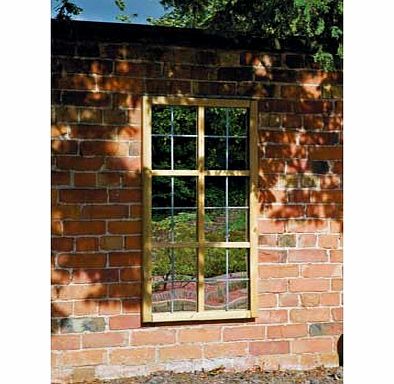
(183, 225)
(216, 120)
(185, 258)
(184, 122)
(215, 225)
(184, 189)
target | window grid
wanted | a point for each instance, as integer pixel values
(201, 244)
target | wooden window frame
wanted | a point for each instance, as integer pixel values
(147, 173)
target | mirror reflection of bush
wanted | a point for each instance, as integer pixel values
(179, 225)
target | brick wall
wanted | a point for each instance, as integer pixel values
(99, 73)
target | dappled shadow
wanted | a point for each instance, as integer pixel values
(97, 176)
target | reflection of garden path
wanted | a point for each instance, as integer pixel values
(184, 294)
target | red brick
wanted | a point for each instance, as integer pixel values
(125, 227)
(109, 307)
(86, 260)
(56, 227)
(336, 256)
(62, 244)
(131, 306)
(309, 285)
(271, 226)
(85, 179)
(337, 285)
(90, 115)
(83, 195)
(282, 211)
(272, 165)
(267, 300)
(310, 225)
(330, 299)
(130, 274)
(180, 352)
(95, 275)
(124, 290)
(288, 300)
(78, 163)
(287, 331)
(307, 255)
(124, 163)
(65, 147)
(80, 292)
(259, 348)
(86, 244)
(124, 322)
(337, 314)
(153, 337)
(82, 358)
(310, 299)
(109, 339)
(307, 241)
(307, 315)
(286, 151)
(104, 148)
(247, 332)
(125, 196)
(328, 241)
(299, 196)
(285, 270)
(105, 211)
(273, 316)
(66, 211)
(135, 356)
(85, 307)
(61, 309)
(60, 178)
(125, 259)
(311, 346)
(60, 277)
(84, 227)
(273, 285)
(324, 210)
(330, 182)
(133, 242)
(65, 342)
(225, 349)
(326, 196)
(322, 270)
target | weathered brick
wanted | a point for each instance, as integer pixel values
(124, 322)
(311, 346)
(65, 342)
(325, 329)
(180, 352)
(79, 325)
(287, 331)
(278, 271)
(309, 285)
(100, 340)
(82, 358)
(135, 356)
(269, 347)
(86, 260)
(225, 349)
(153, 337)
(307, 315)
(250, 332)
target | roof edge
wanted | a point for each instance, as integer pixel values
(138, 33)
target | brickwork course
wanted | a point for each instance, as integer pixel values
(100, 71)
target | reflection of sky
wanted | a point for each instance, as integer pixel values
(106, 10)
